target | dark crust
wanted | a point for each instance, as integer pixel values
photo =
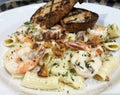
(75, 27)
(52, 18)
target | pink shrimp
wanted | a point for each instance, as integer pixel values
(20, 60)
(77, 45)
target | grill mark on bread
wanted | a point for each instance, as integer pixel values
(81, 15)
(73, 21)
(65, 2)
(51, 13)
(51, 6)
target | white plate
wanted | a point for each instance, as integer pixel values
(12, 19)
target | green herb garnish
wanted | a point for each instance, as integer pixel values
(87, 65)
(72, 71)
(27, 23)
(65, 74)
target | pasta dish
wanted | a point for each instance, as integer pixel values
(54, 59)
(61, 47)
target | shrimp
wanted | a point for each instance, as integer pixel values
(20, 33)
(19, 60)
(77, 45)
(27, 34)
(97, 33)
(86, 63)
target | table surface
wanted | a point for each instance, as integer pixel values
(16, 3)
(113, 90)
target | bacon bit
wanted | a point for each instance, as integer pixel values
(59, 49)
(53, 36)
(107, 78)
(17, 60)
(47, 36)
(34, 45)
(43, 72)
(99, 51)
(47, 44)
(40, 48)
(28, 39)
(94, 41)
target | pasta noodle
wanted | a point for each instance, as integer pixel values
(18, 76)
(109, 64)
(73, 81)
(47, 57)
(11, 41)
(56, 70)
(112, 46)
(113, 31)
(31, 80)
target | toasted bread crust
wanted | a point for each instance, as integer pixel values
(72, 26)
(51, 13)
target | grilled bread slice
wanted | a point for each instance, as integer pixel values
(79, 19)
(52, 12)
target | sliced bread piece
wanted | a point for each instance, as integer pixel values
(52, 12)
(79, 19)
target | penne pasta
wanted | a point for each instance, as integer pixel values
(113, 31)
(18, 76)
(73, 81)
(112, 46)
(31, 80)
(11, 41)
(57, 70)
(46, 57)
(109, 64)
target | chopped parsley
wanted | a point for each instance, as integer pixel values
(91, 61)
(33, 28)
(58, 73)
(71, 55)
(36, 37)
(63, 66)
(87, 54)
(65, 74)
(106, 59)
(27, 23)
(23, 32)
(69, 61)
(72, 71)
(87, 65)
(56, 65)
(78, 64)
(72, 78)
(106, 39)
